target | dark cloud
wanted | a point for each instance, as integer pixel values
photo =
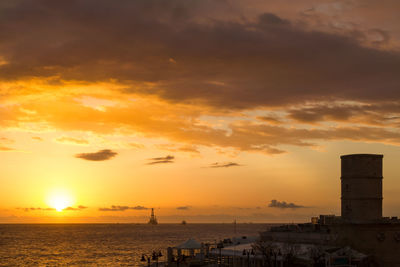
(270, 119)
(171, 44)
(161, 160)
(171, 49)
(325, 113)
(383, 114)
(269, 19)
(266, 138)
(283, 205)
(123, 208)
(224, 165)
(184, 208)
(169, 157)
(101, 155)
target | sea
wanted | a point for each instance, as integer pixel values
(104, 244)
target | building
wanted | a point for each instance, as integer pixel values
(361, 181)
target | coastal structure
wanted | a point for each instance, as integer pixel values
(361, 182)
(361, 225)
(153, 219)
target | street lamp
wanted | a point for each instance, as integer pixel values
(154, 257)
(220, 246)
(273, 255)
(178, 259)
(248, 252)
(145, 258)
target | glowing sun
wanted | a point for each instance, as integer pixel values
(59, 200)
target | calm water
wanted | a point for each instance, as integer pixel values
(102, 244)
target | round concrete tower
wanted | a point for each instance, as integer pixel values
(361, 188)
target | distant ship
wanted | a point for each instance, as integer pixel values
(153, 219)
(183, 222)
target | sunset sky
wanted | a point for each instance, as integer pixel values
(206, 110)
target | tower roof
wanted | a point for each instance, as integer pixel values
(362, 155)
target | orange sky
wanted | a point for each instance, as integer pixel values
(205, 110)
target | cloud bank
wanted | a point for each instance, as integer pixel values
(123, 208)
(220, 63)
(283, 205)
(179, 59)
(224, 165)
(101, 155)
(161, 160)
(80, 207)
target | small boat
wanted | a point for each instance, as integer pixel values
(183, 222)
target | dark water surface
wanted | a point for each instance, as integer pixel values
(102, 244)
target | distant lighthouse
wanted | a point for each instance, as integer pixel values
(153, 219)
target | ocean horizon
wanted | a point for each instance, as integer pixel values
(105, 244)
